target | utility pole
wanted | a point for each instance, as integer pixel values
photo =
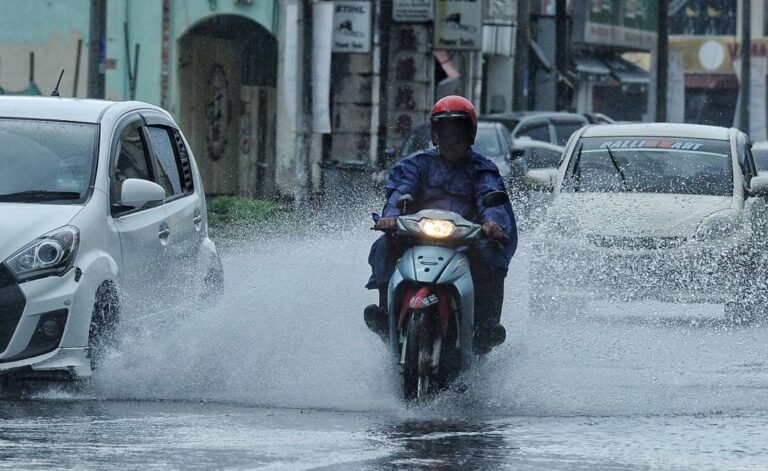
(385, 26)
(746, 66)
(301, 176)
(522, 34)
(662, 61)
(96, 44)
(562, 103)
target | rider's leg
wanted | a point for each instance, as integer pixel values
(383, 258)
(489, 299)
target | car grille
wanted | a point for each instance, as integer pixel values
(12, 303)
(637, 243)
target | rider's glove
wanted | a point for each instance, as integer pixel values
(493, 230)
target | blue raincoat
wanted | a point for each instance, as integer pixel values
(436, 184)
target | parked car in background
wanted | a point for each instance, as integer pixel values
(492, 141)
(670, 212)
(103, 214)
(547, 126)
(541, 161)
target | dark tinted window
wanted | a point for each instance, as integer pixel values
(564, 131)
(132, 156)
(537, 132)
(168, 170)
(648, 165)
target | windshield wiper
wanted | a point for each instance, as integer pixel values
(33, 195)
(618, 169)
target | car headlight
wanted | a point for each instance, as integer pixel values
(717, 226)
(437, 228)
(52, 254)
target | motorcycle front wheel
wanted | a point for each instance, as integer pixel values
(417, 374)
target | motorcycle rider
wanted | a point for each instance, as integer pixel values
(451, 177)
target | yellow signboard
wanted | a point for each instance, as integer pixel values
(713, 55)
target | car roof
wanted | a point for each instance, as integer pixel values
(518, 115)
(760, 145)
(694, 131)
(63, 109)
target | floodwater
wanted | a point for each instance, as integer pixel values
(283, 374)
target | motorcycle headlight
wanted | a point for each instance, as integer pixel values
(52, 254)
(717, 226)
(437, 228)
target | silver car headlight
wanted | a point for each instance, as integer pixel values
(51, 254)
(717, 226)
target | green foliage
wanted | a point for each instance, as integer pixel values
(227, 213)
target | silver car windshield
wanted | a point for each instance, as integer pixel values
(49, 161)
(650, 165)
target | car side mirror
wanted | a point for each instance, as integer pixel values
(137, 193)
(758, 186)
(495, 198)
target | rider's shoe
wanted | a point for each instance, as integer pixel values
(488, 337)
(376, 320)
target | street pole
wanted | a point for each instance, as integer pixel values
(746, 55)
(562, 103)
(385, 24)
(96, 45)
(520, 82)
(662, 62)
(301, 183)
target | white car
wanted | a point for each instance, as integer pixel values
(102, 212)
(671, 212)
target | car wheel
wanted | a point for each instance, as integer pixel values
(212, 289)
(102, 334)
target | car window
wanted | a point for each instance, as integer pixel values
(540, 157)
(487, 141)
(761, 158)
(132, 159)
(649, 165)
(563, 130)
(419, 139)
(537, 132)
(168, 173)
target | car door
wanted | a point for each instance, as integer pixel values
(183, 204)
(143, 231)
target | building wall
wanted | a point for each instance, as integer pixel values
(50, 30)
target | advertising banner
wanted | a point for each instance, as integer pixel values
(459, 24)
(629, 24)
(352, 26)
(413, 11)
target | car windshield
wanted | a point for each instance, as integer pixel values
(651, 165)
(487, 141)
(564, 131)
(48, 161)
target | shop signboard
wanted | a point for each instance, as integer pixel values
(413, 11)
(629, 24)
(459, 24)
(352, 26)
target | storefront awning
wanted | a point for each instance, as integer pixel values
(590, 68)
(538, 54)
(628, 74)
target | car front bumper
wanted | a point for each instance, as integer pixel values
(24, 307)
(686, 274)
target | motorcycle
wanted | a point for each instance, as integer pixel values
(431, 299)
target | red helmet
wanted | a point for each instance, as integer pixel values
(455, 107)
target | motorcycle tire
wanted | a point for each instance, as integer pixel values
(417, 384)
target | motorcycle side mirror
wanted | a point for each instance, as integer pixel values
(495, 198)
(403, 201)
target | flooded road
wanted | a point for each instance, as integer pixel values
(283, 374)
